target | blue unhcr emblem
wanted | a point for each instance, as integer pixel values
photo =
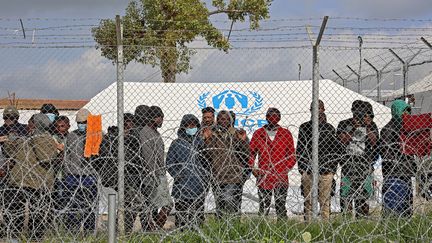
(233, 100)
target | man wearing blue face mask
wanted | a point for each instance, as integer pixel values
(80, 181)
(186, 165)
(50, 111)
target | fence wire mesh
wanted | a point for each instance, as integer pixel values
(225, 152)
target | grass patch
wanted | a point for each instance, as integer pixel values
(256, 229)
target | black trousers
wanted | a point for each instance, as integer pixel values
(40, 212)
(280, 195)
(189, 212)
(136, 204)
(359, 196)
(228, 199)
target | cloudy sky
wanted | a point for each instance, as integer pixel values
(281, 8)
(77, 73)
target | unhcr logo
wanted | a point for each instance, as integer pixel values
(241, 104)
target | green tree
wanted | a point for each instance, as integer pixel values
(156, 32)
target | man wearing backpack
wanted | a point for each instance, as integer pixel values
(31, 180)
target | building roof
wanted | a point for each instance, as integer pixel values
(35, 104)
(422, 85)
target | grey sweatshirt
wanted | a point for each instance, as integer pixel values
(152, 150)
(74, 162)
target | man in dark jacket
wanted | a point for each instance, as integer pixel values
(327, 162)
(138, 184)
(11, 124)
(152, 152)
(60, 130)
(11, 127)
(397, 168)
(359, 142)
(228, 151)
(187, 166)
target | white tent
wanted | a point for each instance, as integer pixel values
(293, 98)
(249, 100)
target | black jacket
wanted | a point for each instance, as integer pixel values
(357, 164)
(137, 174)
(394, 162)
(328, 147)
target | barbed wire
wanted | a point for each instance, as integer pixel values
(370, 19)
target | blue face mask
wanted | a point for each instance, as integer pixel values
(191, 131)
(82, 127)
(51, 117)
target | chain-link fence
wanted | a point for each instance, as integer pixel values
(225, 153)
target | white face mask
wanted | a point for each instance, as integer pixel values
(82, 127)
(271, 134)
(51, 117)
(191, 131)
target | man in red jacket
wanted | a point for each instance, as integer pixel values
(416, 136)
(274, 146)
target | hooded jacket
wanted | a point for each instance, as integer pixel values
(33, 157)
(275, 158)
(357, 165)
(394, 162)
(137, 173)
(186, 164)
(416, 134)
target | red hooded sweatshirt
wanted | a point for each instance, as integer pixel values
(275, 158)
(416, 134)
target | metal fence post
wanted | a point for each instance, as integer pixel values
(111, 218)
(405, 66)
(359, 79)
(120, 124)
(315, 130)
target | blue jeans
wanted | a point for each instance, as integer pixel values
(81, 199)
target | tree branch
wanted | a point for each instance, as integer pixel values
(226, 11)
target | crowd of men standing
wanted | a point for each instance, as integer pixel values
(45, 165)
